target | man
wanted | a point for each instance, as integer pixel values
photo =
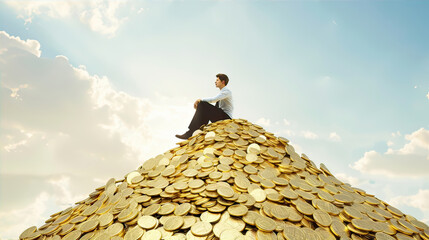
(206, 112)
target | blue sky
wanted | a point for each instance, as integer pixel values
(345, 81)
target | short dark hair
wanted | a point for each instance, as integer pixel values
(223, 78)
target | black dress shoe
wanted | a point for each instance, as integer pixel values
(184, 136)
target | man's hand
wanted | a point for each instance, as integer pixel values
(196, 103)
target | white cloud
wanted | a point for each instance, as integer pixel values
(15, 221)
(309, 135)
(427, 95)
(396, 134)
(334, 22)
(100, 15)
(334, 137)
(348, 179)
(28, 45)
(390, 143)
(286, 122)
(263, 122)
(410, 160)
(419, 200)
(288, 133)
(68, 122)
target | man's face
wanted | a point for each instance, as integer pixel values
(219, 83)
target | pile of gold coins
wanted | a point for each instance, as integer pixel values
(231, 180)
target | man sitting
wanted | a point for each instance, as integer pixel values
(206, 112)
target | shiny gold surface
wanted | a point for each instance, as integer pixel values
(232, 180)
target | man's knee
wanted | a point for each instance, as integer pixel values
(202, 105)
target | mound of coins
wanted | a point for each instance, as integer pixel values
(231, 180)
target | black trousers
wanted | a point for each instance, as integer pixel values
(206, 112)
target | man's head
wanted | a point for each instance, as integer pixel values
(221, 80)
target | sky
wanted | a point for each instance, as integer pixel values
(89, 90)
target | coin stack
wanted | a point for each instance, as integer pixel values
(230, 180)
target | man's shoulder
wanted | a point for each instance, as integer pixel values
(225, 89)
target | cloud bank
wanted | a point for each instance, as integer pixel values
(101, 16)
(412, 160)
(64, 131)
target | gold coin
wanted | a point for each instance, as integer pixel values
(375, 216)
(115, 229)
(134, 233)
(353, 229)
(325, 196)
(280, 212)
(250, 217)
(152, 209)
(267, 183)
(27, 232)
(227, 152)
(74, 235)
(265, 224)
(66, 228)
(147, 222)
(231, 234)
(304, 208)
(343, 198)
(362, 224)
(201, 228)
(166, 209)
(89, 225)
(394, 223)
(259, 195)
(250, 169)
(106, 219)
(322, 218)
(289, 194)
(253, 148)
(173, 223)
(293, 233)
(188, 222)
(78, 219)
(294, 215)
(383, 236)
(215, 175)
(352, 212)
(132, 175)
(408, 225)
(280, 181)
(190, 172)
(237, 210)
(339, 229)
(225, 192)
(210, 217)
(324, 234)
(182, 209)
(98, 236)
(305, 195)
(89, 211)
(251, 157)
(196, 183)
(241, 182)
(217, 208)
(152, 235)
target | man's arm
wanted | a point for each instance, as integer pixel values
(220, 96)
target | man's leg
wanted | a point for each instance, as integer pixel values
(201, 116)
(205, 112)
